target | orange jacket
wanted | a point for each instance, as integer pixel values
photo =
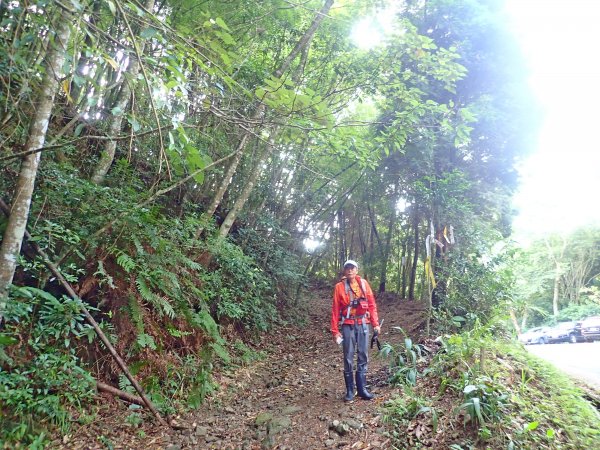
(341, 300)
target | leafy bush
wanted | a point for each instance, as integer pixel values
(41, 378)
(475, 292)
(239, 289)
(578, 312)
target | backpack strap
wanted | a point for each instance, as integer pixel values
(350, 293)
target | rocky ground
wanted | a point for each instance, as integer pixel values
(291, 399)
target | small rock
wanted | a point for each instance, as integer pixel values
(173, 447)
(278, 424)
(263, 418)
(340, 428)
(354, 424)
(329, 443)
(201, 431)
(290, 410)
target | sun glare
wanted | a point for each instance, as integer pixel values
(366, 34)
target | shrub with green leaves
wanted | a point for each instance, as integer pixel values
(41, 377)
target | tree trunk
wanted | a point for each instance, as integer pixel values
(108, 154)
(241, 200)
(226, 181)
(514, 321)
(413, 269)
(342, 253)
(405, 264)
(386, 253)
(556, 289)
(15, 229)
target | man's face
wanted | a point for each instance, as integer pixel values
(350, 272)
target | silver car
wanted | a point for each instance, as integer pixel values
(537, 335)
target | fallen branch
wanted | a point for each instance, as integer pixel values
(103, 387)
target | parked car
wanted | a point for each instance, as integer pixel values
(590, 328)
(566, 332)
(537, 335)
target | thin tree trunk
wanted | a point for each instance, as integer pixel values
(514, 321)
(17, 221)
(386, 253)
(120, 107)
(413, 269)
(103, 387)
(342, 237)
(243, 197)
(216, 201)
(556, 289)
(259, 112)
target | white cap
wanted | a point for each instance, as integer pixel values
(351, 262)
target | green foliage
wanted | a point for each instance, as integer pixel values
(240, 290)
(401, 410)
(403, 364)
(514, 400)
(39, 391)
(473, 291)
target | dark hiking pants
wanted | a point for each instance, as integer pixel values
(356, 338)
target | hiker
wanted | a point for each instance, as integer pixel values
(354, 306)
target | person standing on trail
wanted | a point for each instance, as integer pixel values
(354, 306)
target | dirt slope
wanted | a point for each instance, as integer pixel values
(292, 399)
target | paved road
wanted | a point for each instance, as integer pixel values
(581, 361)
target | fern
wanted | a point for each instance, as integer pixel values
(205, 321)
(221, 352)
(177, 333)
(145, 340)
(161, 304)
(125, 385)
(125, 261)
(190, 264)
(106, 278)
(138, 246)
(136, 314)
(144, 290)
(170, 276)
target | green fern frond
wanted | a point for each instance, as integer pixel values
(136, 314)
(138, 246)
(221, 352)
(125, 385)
(166, 307)
(125, 261)
(172, 278)
(161, 304)
(144, 290)
(145, 340)
(187, 262)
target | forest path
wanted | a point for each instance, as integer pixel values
(291, 399)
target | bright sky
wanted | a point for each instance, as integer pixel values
(561, 181)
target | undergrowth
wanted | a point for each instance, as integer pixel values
(174, 306)
(478, 391)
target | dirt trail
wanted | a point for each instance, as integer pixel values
(292, 399)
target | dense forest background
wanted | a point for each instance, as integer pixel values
(192, 167)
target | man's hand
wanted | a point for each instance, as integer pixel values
(337, 337)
